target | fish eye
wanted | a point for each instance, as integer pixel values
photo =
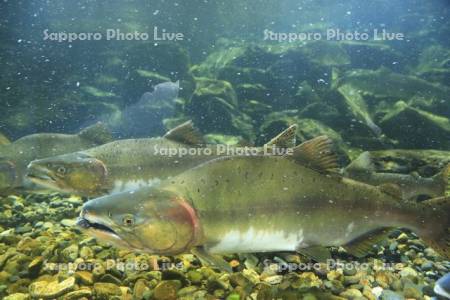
(61, 170)
(128, 220)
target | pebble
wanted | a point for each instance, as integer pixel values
(78, 294)
(408, 271)
(140, 289)
(49, 290)
(276, 279)
(391, 295)
(70, 253)
(68, 222)
(105, 291)
(166, 290)
(17, 296)
(351, 294)
(85, 277)
(377, 291)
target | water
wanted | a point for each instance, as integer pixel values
(371, 76)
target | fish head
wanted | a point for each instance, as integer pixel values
(76, 173)
(8, 174)
(149, 220)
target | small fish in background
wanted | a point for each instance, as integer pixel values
(129, 164)
(410, 186)
(145, 117)
(442, 286)
(15, 157)
(253, 204)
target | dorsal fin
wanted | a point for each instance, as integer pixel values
(286, 139)
(97, 133)
(391, 189)
(363, 244)
(362, 163)
(185, 133)
(317, 154)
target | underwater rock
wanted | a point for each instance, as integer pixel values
(248, 91)
(167, 59)
(434, 105)
(386, 84)
(34, 267)
(434, 57)
(322, 112)
(166, 290)
(85, 277)
(140, 289)
(251, 56)
(351, 294)
(364, 55)
(50, 290)
(70, 253)
(208, 88)
(391, 295)
(358, 108)
(17, 296)
(213, 107)
(415, 128)
(236, 76)
(105, 291)
(425, 162)
(82, 293)
(326, 53)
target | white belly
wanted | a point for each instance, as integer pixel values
(258, 241)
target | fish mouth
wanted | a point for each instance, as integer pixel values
(87, 224)
(39, 174)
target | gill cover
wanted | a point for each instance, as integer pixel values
(173, 229)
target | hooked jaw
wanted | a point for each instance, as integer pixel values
(97, 228)
(40, 175)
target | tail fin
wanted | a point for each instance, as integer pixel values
(442, 179)
(435, 220)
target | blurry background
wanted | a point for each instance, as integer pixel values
(365, 94)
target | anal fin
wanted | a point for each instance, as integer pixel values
(363, 244)
(318, 253)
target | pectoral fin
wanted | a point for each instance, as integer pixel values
(213, 260)
(185, 134)
(317, 253)
(362, 245)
